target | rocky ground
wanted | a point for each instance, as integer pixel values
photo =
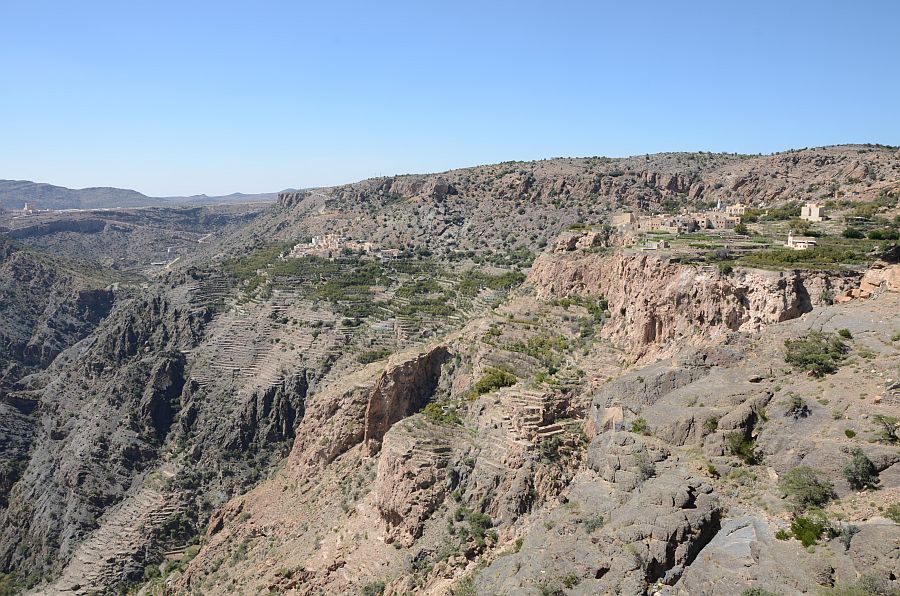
(622, 421)
(615, 477)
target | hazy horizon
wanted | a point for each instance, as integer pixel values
(436, 171)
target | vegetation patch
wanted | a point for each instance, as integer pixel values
(370, 356)
(887, 428)
(442, 412)
(473, 281)
(742, 447)
(805, 488)
(547, 348)
(807, 530)
(860, 471)
(818, 353)
(494, 379)
(639, 426)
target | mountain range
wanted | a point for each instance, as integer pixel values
(15, 193)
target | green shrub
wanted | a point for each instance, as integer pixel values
(804, 488)
(742, 447)
(640, 427)
(151, 571)
(441, 412)
(817, 352)
(845, 333)
(797, 408)
(477, 524)
(645, 467)
(848, 531)
(493, 379)
(807, 530)
(852, 233)
(757, 592)
(893, 512)
(711, 424)
(860, 471)
(370, 356)
(783, 534)
(884, 234)
(850, 433)
(375, 588)
(595, 522)
(887, 428)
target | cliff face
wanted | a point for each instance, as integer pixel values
(653, 301)
(363, 407)
(103, 415)
(47, 308)
(401, 391)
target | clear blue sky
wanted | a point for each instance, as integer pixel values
(188, 97)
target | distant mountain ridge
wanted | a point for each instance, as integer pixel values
(15, 193)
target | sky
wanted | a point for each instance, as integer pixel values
(190, 97)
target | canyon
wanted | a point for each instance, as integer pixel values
(508, 398)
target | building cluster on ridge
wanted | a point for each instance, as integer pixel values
(721, 218)
(333, 245)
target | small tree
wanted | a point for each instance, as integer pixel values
(640, 426)
(804, 488)
(888, 428)
(860, 471)
(807, 530)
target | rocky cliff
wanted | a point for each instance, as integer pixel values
(654, 301)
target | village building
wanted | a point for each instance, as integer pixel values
(812, 212)
(623, 219)
(800, 242)
(736, 210)
(654, 245)
(722, 221)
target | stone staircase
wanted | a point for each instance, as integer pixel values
(113, 552)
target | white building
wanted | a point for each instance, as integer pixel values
(800, 242)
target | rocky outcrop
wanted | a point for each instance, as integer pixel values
(160, 400)
(362, 407)
(270, 415)
(79, 226)
(653, 301)
(49, 308)
(104, 421)
(401, 391)
(412, 478)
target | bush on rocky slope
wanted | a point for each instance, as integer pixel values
(818, 353)
(804, 487)
(860, 471)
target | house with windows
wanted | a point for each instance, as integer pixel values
(800, 242)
